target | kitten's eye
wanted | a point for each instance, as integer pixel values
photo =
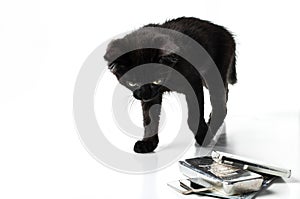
(132, 84)
(157, 81)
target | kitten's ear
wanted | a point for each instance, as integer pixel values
(168, 52)
(169, 59)
(169, 48)
(113, 67)
(166, 44)
(113, 51)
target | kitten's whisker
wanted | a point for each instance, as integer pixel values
(131, 101)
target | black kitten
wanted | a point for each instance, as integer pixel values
(149, 83)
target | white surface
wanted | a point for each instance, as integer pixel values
(42, 47)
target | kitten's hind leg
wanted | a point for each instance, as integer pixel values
(218, 100)
(196, 121)
(151, 113)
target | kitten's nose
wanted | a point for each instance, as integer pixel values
(143, 93)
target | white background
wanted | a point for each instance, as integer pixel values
(43, 45)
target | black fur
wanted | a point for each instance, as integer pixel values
(215, 39)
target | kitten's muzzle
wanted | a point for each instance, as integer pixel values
(145, 93)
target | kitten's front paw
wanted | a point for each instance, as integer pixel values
(145, 146)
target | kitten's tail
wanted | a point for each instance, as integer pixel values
(232, 79)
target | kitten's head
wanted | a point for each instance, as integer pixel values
(144, 71)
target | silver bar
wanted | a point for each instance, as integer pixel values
(248, 164)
